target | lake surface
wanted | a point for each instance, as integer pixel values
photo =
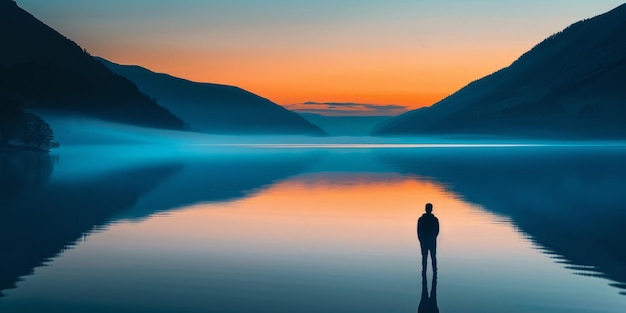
(299, 228)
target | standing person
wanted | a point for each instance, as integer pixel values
(427, 231)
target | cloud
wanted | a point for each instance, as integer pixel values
(347, 108)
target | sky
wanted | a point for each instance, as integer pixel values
(374, 56)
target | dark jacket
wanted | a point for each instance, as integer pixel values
(427, 228)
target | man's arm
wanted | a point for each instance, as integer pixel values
(436, 227)
(419, 224)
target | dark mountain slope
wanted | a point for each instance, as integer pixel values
(216, 108)
(570, 85)
(44, 70)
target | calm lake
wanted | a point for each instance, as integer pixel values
(313, 229)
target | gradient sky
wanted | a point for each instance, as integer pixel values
(403, 52)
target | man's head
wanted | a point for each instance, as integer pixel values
(429, 208)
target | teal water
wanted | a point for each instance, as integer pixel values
(305, 228)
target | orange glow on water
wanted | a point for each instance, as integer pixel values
(316, 215)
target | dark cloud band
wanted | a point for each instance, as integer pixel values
(347, 108)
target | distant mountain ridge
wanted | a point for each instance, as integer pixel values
(345, 125)
(570, 85)
(42, 69)
(216, 108)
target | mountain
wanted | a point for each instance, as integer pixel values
(571, 85)
(43, 70)
(214, 108)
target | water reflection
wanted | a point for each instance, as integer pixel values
(221, 178)
(428, 301)
(278, 232)
(43, 217)
(275, 251)
(23, 171)
(569, 200)
(40, 218)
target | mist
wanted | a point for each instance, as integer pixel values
(79, 131)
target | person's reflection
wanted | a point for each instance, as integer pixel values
(427, 231)
(428, 304)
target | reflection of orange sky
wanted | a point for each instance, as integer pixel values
(412, 78)
(316, 216)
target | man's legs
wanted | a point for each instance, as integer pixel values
(433, 256)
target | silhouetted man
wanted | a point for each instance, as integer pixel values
(427, 231)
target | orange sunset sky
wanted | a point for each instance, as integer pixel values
(407, 53)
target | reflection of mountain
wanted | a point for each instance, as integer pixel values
(42, 69)
(221, 177)
(42, 220)
(20, 171)
(216, 108)
(46, 218)
(570, 201)
(569, 85)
